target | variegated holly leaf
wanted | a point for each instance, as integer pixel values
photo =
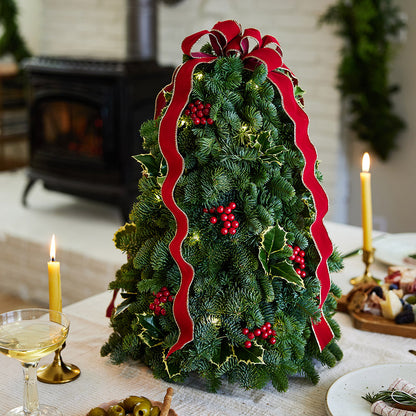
(285, 271)
(172, 367)
(274, 241)
(151, 334)
(253, 355)
(149, 164)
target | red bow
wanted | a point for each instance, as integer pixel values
(227, 40)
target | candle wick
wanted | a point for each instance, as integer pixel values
(52, 258)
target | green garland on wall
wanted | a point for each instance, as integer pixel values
(367, 26)
(11, 41)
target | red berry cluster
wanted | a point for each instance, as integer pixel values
(298, 257)
(161, 298)
(199, 112)
(264, 332)
(230, 224)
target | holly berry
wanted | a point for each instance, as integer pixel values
(232, 231)
(227, 210)
(235, 224)
(224, 217)
(257, 332)
(224, 231)
(247, 344)
(232, 205)
(220, 209)
(245, 331)
(227, 224)
(199, 112)
(161, 297)
(231, 217)
(205, 210)
(213, 220)
(272, 340)
(250, 335)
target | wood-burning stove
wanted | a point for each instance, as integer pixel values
(85, 117)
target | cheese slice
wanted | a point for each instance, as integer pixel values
(392, 306)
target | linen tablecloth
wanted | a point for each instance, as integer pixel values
(101, 381)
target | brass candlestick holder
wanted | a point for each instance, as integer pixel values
(58, 372)
(368, 259)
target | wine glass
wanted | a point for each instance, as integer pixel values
(28, 335)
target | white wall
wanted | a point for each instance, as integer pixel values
(394, 181)
(96, 28)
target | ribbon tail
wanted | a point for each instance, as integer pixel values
(175, 164)
(111, 306)
(323, 332)
(283, 83)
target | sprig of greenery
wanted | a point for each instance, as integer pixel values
(391, 397)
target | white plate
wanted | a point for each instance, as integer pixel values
(393, 248)
(344, 396)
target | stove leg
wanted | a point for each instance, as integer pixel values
(26, 191)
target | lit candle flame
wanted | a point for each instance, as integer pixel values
(52, 253)
(366, 162)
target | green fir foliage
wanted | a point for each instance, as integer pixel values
(246, 156)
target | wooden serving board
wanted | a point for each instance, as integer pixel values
(373, 323)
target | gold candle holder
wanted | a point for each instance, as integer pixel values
(368, 259)
(58, 372)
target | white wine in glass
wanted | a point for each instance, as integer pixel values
(28, 335)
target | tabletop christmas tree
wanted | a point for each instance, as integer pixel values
(228, 260)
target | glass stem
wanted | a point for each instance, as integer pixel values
(30, 391)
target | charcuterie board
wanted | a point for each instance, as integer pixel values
(374, 323)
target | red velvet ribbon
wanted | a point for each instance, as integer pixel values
(227, 39)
